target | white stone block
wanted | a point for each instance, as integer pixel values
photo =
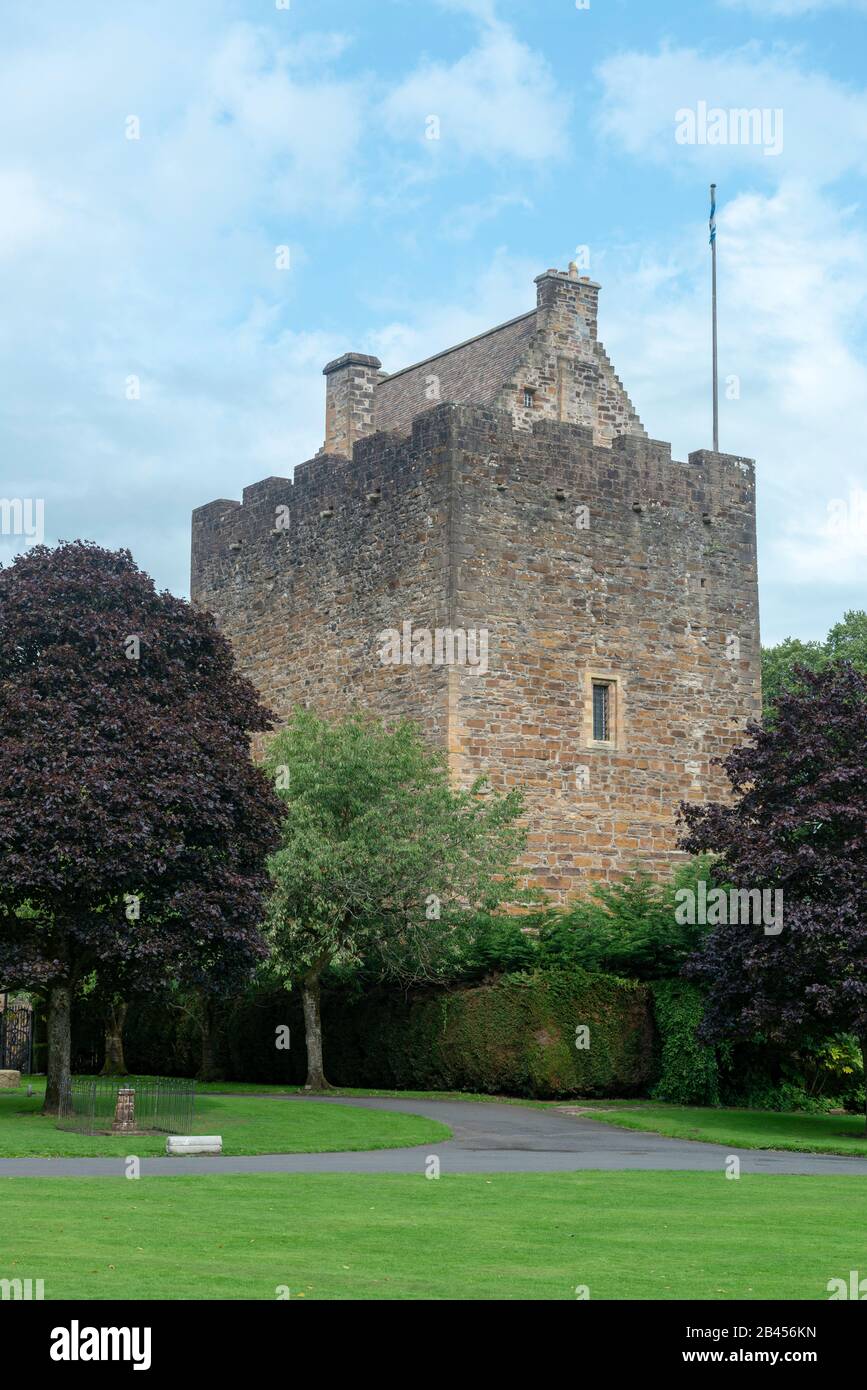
(180, 1144)
(10, 1080)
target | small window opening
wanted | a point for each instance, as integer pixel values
(601, 712)
(529, 397)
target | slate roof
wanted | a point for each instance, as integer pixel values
(472, 373)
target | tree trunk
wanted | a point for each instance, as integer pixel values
(58, 1077)
(313, 1033)
(115, 1062)
(208, 1070)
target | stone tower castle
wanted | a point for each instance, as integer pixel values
(489, 543)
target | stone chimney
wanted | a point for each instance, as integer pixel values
(349, 387)
(566, 310)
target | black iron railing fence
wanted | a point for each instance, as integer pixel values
(16, 1039)
(128, 1105)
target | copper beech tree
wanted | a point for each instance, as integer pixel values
(797, 823)
(134, 826)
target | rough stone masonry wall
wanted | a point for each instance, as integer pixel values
(470, 523)
(566, 366)
(657, 593)
(349, 393)
(367, 546)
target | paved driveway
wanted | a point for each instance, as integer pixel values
(488, 1138)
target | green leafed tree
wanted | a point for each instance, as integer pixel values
(846, 641)
(380, 856)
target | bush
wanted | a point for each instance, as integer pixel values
(751, 1075)
(515, 1037)
(159, 1039)
(504, 1021)
(819, 1076)
(688, 1073)
(626, 928)
(251, 1031)
(490, 944)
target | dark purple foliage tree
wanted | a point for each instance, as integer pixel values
(797, 822)
(133, 824)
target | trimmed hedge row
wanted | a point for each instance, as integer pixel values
(516, 1036)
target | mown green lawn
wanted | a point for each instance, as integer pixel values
(248, 1126)
(512, 1236)
(743, 1129)
(259, 1088)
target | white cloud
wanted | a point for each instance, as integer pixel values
(156, 257)
(255, 116)
(498, 101)
(793, 295)
(28, 215)
(827, 547)
(824, 123)
(461, 223)
(502, 291)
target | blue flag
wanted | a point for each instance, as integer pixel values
(712, 237)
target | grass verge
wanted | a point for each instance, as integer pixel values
(796, 1131)
(247, 1125)
(510, 1237)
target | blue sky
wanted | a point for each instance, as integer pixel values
(154, 258)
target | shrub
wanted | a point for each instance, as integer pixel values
(516, 1037)
(688, 1073)
(491, 944)
(626, 928)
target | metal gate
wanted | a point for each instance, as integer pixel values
(16, 1040)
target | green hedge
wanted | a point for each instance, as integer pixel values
(158, 1039)
(686, 1069)
(750, 1075)
(514, 1037)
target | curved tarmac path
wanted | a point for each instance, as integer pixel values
(487, 1138)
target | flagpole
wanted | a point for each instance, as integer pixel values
(713, 302)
